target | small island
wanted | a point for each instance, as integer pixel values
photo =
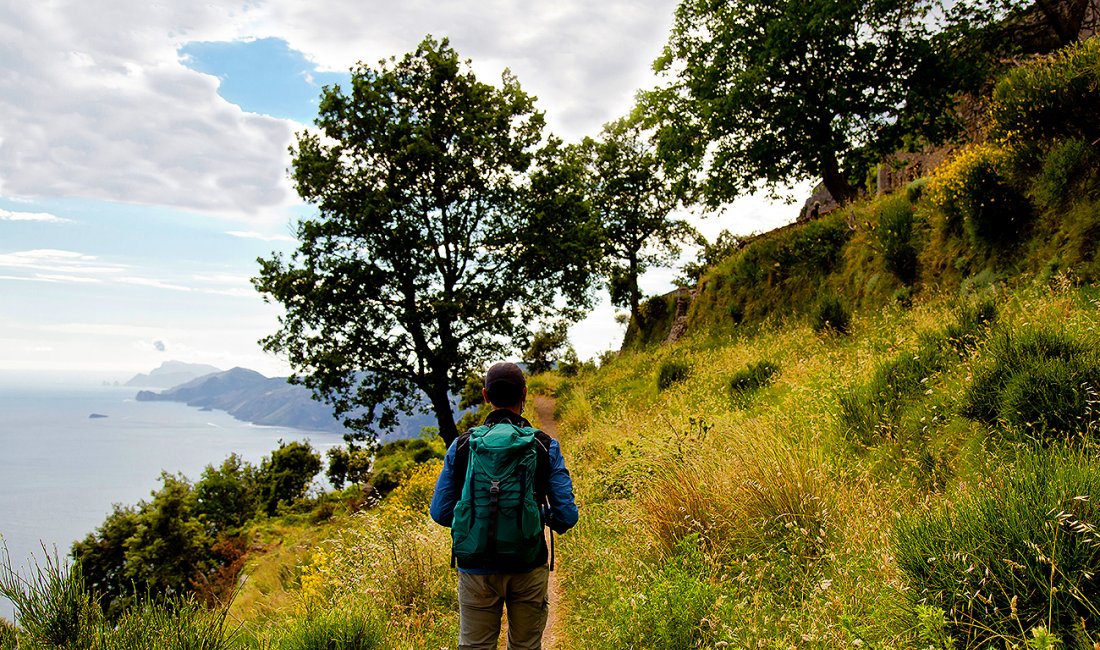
(96, 416)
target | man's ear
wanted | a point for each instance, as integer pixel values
(485, 396)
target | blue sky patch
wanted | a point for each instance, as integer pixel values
(263, 76)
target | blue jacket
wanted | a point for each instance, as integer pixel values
(562, 513)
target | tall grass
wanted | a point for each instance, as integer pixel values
(54, 608)
(1017, 555)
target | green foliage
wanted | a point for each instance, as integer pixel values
(395, 461)
(226, 497)
(871, 413)
(423, 253)
(1015, 556)
(775, 275)
(634, 201)
(651, 324)
(1039, 384)
(52, 604)
(831, 316)
(1070, 171)
(894, 237)
(56, 608)
(765, 108)
(285, 476)
(752, 378)
(670, 373)
(975, 193)
(545, 349)
(670, 608)
(915, 189)
(170, 549)
(1050, 100)
(330, 630)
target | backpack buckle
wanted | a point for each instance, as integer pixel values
(494, 489)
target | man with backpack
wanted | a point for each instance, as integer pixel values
(500, 484)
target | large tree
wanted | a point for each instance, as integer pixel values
(781, 91)
(629, 194)
(420, 265)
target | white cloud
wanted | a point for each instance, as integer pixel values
(88, 110)
(59, 263)
(91, 111)
(248, 234)
(8, 215)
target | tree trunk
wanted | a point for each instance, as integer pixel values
(835, 181)
(635, 297)
(444, 414)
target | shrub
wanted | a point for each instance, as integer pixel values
(894, 238)
(671, 372)
(831, 316)
(1015, 556)
(869, 411)
(973, 192)
(1032, 370)
(1050, 400)
(753, 377)
(1050, 100)
(915, 190)
(1069, 170)
(971, 325)
(53, 604)
(330, 630)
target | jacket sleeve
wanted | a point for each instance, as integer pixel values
(444, 497)
(563, 508)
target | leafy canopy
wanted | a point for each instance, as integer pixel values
(630, 195)
(424, 261)
(777, 92)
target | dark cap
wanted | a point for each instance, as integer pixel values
(505, 383)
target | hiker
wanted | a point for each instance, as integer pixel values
(518, 483)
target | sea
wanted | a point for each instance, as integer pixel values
(63, 466)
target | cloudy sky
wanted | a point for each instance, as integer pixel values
(143, 154)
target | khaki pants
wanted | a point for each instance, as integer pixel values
(481, 598)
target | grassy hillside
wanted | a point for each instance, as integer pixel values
(879, 431)
(770, 517)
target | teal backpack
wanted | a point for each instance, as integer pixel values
(496, 518)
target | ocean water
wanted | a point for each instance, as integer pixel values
(61, 471)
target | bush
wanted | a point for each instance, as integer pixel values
(752, 378)
(1015, 556)
(972, 324)
(56, 609)
(831, 316)
(915, 190)
(1069, 171)
(1050, 400)
(869, 412)
(331, 630)
(894, 238)
(974, 193)
(1050, 100)
(671, 372)
(1032, 370)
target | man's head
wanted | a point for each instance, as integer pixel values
(505, 386)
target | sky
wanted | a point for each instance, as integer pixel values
(144, 155)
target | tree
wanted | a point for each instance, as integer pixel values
(633, 201)
(793, 89)
(545, 350)
(419, 267)
(169, 550)
(284, 477)
(225, 496)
